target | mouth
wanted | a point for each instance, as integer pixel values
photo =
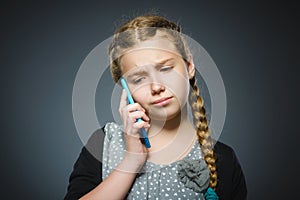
(163, 101)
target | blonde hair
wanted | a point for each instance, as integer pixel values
(139, 29)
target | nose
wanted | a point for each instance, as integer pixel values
(157, 88)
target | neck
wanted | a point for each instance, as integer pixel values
(172, 140)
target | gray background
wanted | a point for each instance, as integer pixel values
(43, 44)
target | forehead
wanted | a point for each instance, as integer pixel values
(150, 52)
(143, 57)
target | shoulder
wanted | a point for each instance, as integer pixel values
(225, 158)
(223, 148)
(87, 170)
(110, 131)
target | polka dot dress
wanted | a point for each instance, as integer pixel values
(155, 181)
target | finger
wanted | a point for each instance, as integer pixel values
(123, 100)
(146, 118)
(138, 114)
(135, 107)
(141, 124)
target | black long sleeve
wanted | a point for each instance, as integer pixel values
(231, 180)
(86, 175)
(87, 170)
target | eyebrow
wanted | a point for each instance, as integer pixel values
(137, 72)
(161, 63)
(141, 71)
(165, 61)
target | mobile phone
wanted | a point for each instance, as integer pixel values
(131, 101)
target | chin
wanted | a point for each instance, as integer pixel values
(162, 114)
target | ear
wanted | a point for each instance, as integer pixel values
(191, 67)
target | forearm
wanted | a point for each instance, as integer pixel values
(117, 184)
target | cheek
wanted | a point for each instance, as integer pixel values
(140, 95)
(178, 84)
(181, 91)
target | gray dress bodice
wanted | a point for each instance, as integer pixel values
(154, 181)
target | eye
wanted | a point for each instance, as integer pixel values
(166, 68)
(137, 80)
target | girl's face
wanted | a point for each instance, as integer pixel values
(158, 80)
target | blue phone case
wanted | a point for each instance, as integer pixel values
(131, 101)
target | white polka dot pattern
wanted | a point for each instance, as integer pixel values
(155, 181)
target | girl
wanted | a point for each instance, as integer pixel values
(183, 161)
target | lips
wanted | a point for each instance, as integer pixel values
(163, 101)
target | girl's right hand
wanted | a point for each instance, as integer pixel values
(136, 152)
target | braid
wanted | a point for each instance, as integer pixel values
(200, 121)
(147, 21)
